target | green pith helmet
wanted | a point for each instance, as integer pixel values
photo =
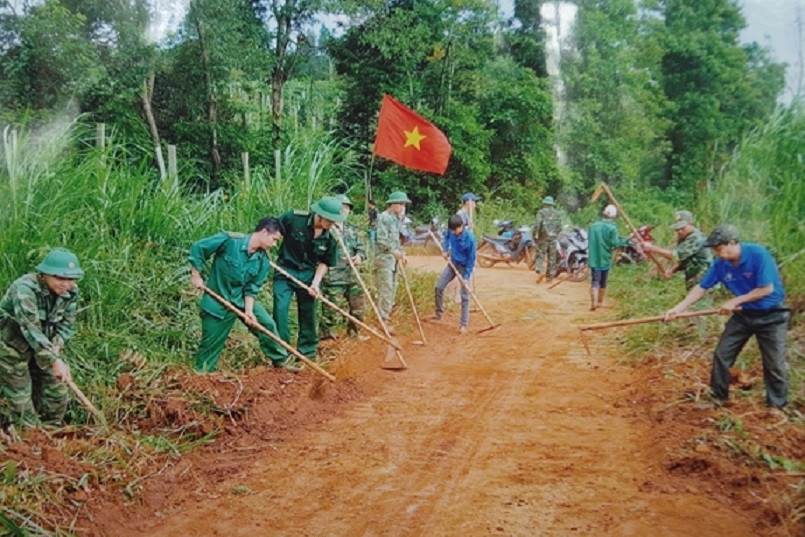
(346, 201)
(329, 207)
(548, 200)
(62, 263)
(398, 197)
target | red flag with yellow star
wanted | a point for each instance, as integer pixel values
(409, 139)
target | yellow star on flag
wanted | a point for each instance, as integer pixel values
(413, 138)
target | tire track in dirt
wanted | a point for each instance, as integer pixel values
(511, 432)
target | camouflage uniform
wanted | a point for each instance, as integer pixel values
(387, 242)
(34, 327)
(693, 257)
(546, 229)
(340, 285)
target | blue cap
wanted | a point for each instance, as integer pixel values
(469, 196)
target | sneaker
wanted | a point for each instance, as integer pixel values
(289, 364)
(463, 331)
(435, 317)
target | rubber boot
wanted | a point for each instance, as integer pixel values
(593, 298)
(602, 292)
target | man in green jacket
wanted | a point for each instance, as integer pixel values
(239, 269)
(388, 252)
(37, 319)
(603, 238)
(307, 251)
(340, 284)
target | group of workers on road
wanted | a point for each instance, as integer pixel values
(746, 269)
(38, 310)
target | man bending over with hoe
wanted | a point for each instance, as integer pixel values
(239, 269)
(459, 250)
(37, 318)
(750, 273)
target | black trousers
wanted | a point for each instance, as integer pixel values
(770, 328)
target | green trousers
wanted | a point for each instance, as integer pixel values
(546, 252)
(29, 395)
(386, 283)
(306, 305)
(349, 297)
(214, 332)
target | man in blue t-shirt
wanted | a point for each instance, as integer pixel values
(750, 273)
(459, 247)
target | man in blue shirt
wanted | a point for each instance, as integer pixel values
(459, 246)
(751, 274)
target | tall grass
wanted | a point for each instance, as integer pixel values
(132, 233)
(762, 192)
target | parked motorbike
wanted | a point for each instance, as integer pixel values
(511, 245)
(420, 235)
(634, 253)
(571, 253)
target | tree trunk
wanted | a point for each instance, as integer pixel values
(212, 107)
(147, 97)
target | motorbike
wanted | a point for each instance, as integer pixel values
(571, 253)
(420, 235)
(634, 253)
(511, 245)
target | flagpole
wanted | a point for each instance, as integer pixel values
(369, 179)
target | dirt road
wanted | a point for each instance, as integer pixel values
(513, 432)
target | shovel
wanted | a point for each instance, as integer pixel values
(464, 283)
(424, 340)
(86, 402)
(390, 350)
(341, 311)
(281, 342)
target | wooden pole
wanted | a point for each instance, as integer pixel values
(86, 402)
(173, 168)
(466, 286)
(100, 135)
(337, 234)
(413, 304)
(335, 307)
(244, 157)
(631, 226)
(269, 333)
(645, 320)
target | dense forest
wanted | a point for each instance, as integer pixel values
(653, 94)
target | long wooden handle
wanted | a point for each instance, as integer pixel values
(465, 284)
(269, 333)
(645, 320)
(634, 229)
(337, 234)
(330, 303)
(86, 402)
(413, 304)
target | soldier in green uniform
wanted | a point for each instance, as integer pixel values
(239, 269)
(307, 251)
(339, 284)
(389, 252)
(690, 255)
(37, 318)
(546, 229)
